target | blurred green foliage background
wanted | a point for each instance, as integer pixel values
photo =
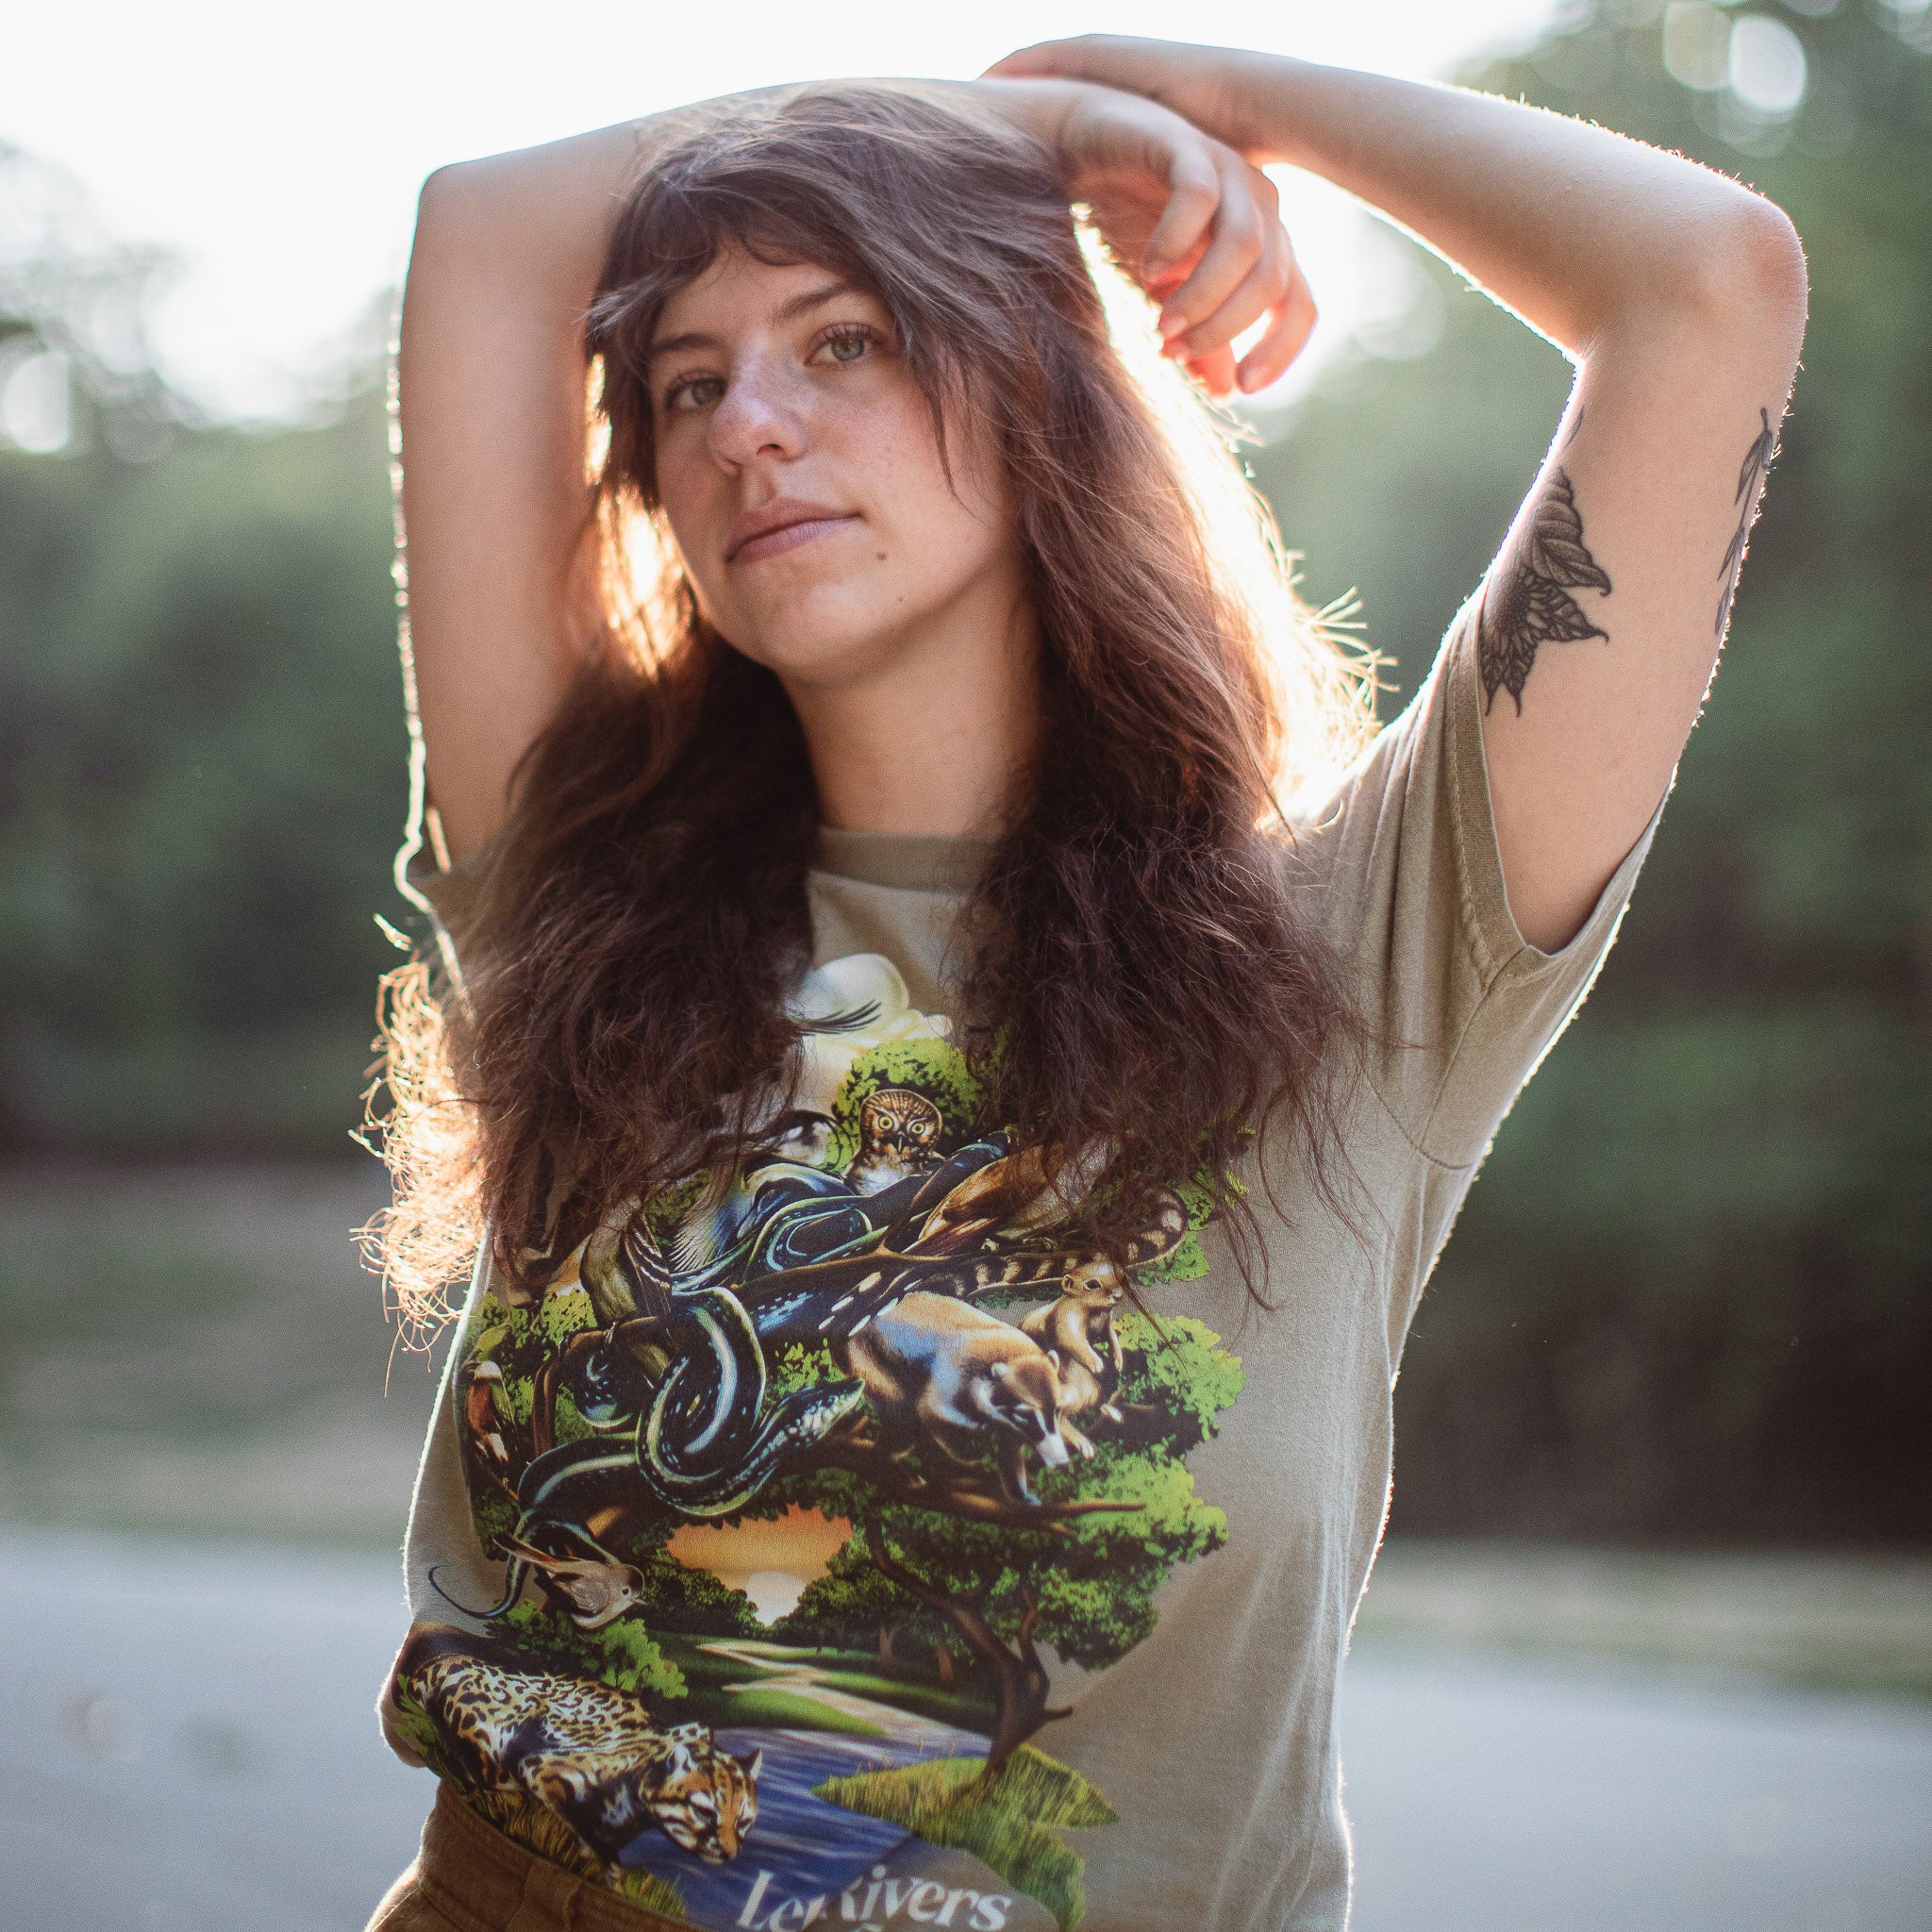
(1692, 1297)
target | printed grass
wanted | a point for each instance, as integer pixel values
(1006, 1823)
(857, 1672)
(709, 1698)
(968, 1711)
(787, 1710)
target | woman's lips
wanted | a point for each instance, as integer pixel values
(787, 537)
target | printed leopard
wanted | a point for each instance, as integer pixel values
(584, 1751)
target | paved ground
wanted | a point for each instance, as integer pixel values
(1505, 1795)
(191, 1748)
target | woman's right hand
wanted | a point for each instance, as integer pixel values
(1193, 222)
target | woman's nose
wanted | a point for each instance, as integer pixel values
(755, 417)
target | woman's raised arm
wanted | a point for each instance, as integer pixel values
(495, 503)
(1680, 297)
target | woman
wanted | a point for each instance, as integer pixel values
(963, 1096)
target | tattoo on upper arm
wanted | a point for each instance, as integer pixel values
(1757, 460)
(1531, 603)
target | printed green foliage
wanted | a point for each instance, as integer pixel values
(671, 1204)
(849, 1603)
(1006, 1820)
(564, 1312)
(801, 1365)
(1088, 1590)
(517, 1340)
(489, 1337)
(410, 1724)
(622, 1655)
(677, 1598)
(495, 1514)
(1177, 1370)
(1099, 1605)
(570, 1425)
(935, 1068)
(516, 1395)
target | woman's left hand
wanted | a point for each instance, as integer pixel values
(1680, 297)
(1196, 225)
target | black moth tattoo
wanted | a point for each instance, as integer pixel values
(1757, 460)
(1532, 605)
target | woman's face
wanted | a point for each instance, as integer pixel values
(799, 470)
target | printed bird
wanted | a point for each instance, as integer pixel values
(479, 1410)
(1010, 1196)
(600, 1587)
(898, 1135)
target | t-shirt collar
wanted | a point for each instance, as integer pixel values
(912, 862)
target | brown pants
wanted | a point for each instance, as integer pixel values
(469, 1878)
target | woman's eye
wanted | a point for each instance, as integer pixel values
(694, 393)
(845, 344)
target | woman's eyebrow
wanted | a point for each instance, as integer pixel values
(787, 310)
(790, 309)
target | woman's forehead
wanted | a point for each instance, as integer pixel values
(739, 290)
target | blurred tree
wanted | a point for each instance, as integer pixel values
(201, 747)
(1690, 1294)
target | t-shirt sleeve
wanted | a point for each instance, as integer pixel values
(1404, 860)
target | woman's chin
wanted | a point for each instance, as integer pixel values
(832, 668)
(807, 646)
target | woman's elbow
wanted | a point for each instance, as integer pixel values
(446, 196)
(1774, 257)
(1752, 270)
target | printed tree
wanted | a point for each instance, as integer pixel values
(1078, 1573)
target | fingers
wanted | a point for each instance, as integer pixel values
(1238, 241)
(1027, 63)
(1188, 224)
(1246, 271)
(1276, 289)
(1214, 372)
(1216, 254)
(1282, 341)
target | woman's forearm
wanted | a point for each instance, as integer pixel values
(553, 208)
(505, 261)
(1572, 227)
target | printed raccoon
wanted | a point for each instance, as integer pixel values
(582, 1750)
(938, 1370)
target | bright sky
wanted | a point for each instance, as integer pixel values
(277, 149)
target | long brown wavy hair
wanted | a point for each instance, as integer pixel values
(1140, 996)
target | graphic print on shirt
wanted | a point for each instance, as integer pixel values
(793, 1479)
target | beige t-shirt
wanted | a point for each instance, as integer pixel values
(833, 1548)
